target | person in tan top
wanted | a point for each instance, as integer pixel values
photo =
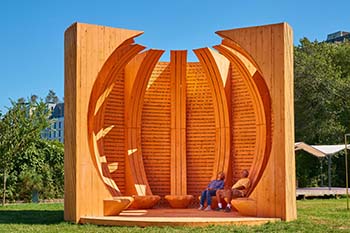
(239, 189)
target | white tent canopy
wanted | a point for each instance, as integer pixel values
(320, 150)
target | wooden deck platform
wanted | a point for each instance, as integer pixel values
(320, 191)
(175, 217)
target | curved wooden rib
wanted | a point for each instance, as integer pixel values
(133, 124)
(99, 94)
(213, 73)
(261, 100)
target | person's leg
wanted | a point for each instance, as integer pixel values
(229, 198)
(235, 193)
(219, 194)
(202, 200)
(210, 193)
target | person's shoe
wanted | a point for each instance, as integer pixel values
(219, 209)
(201, 208)
(227, 209)
(208, 208)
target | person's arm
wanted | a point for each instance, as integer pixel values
(221, 186)
(208, 187)
(241, 184)
(238, 185)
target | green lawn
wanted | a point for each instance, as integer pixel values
(317, 215)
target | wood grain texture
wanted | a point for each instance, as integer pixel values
(178, 60)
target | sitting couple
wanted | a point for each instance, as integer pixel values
(216, 188)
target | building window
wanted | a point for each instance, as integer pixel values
(60, 125)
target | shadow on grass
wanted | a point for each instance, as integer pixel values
(31, 216)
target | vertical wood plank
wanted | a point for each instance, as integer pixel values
(178, 122)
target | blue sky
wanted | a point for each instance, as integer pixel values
(31, 41)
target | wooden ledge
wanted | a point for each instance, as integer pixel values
(175, 217)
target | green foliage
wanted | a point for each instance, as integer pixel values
(322, 104)
(29, 163)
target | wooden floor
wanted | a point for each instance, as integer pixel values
(320, 191)
(175, 217)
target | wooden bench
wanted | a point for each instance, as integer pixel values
(144, 202)
(114, 206)
(245, 206)
(179, 201)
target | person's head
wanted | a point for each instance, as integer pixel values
(221, 176)
(245, 173)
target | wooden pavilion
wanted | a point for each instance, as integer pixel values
(143, 136)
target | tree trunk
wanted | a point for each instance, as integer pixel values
(4, 190)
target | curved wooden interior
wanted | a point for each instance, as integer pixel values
(157, 129)
(157, 137)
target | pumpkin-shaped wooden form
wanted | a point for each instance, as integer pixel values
(159, 128)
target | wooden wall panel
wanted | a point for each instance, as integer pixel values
(216, 68)
(156, 130)
(201, 130)
(271, 47)
(135, 100)
(243, 129)
(114, 140)
(84, 57)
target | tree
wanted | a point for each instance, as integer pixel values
(19, 127)
(321, 99)
(40, 169)
(322, 102)
(51, 97)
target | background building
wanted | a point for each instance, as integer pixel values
(56, 130)
(338, 37)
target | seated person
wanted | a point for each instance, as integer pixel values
(211, 191)
(239, 189)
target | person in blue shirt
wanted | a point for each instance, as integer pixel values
(211, 191)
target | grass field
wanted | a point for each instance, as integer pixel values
(318, 215)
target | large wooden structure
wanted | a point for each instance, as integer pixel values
(136, 126)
